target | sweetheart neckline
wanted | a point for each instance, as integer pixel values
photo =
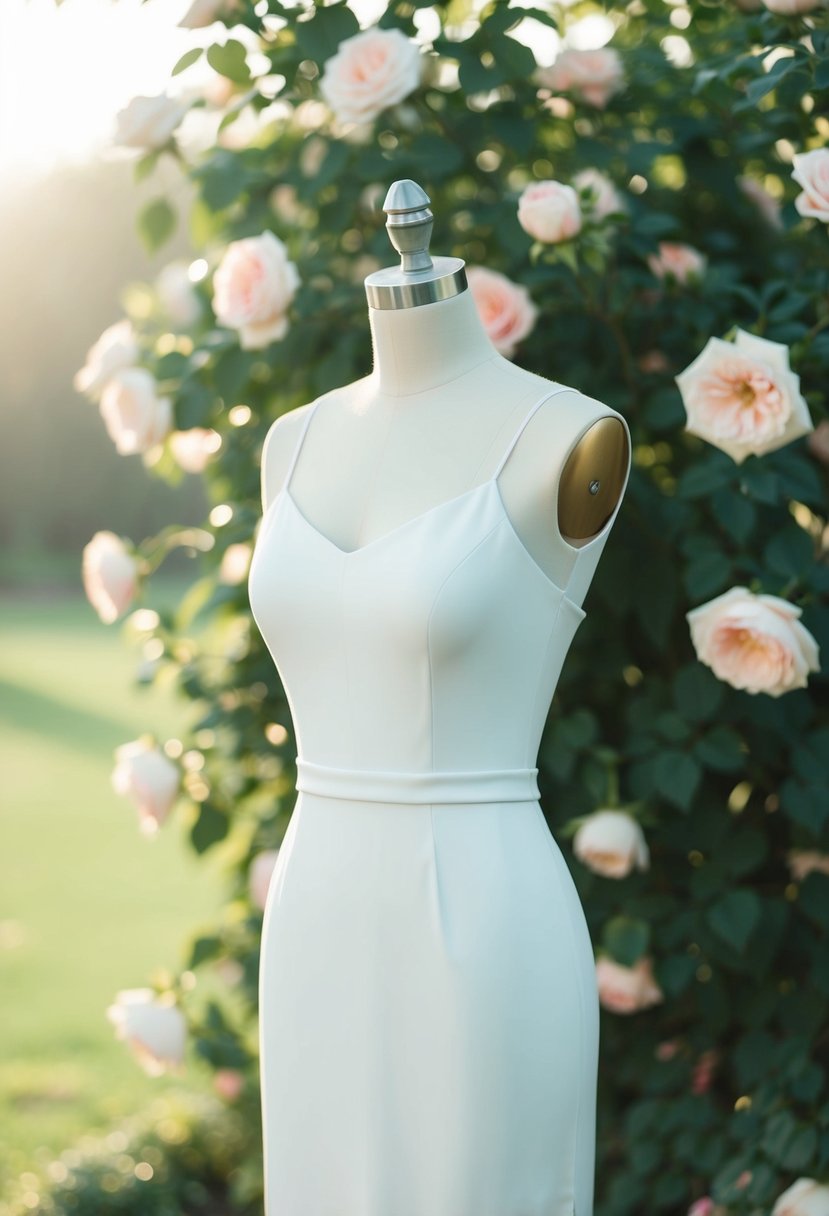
(490, 483)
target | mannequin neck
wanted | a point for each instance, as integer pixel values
(419, 348)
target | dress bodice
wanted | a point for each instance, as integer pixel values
(435, 648)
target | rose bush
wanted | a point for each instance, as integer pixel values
(656, 201)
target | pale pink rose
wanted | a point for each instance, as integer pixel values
(804, 861)
(594, 76)
(611, 843)
(811, 172)
(253, 287)
(110, 575)
(205, 12)
(754, 642)
(505, 308)
(148, 122)
(177, 295)
(154, 1029)
(235, 564)
(703, 1072)
(790, 8)
(230, 971)
(549, 211)
(681, 262)
(766, 204)
(743, 397)
(702, 1207)
(805, 1197)
(259, 876)
(605, 199)
(627, 989)
(116, 349)
(667, 1049)
(369, 72)
(193, 448)
(136, 418)
(145, 775)
(818, 441)
(228, 1083)
(654, 361)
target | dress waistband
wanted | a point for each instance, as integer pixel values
(365, 785)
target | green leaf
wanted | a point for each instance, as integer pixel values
(700, 479)
(187, 59)
(229, 59)
(627, 939)
(202, 950)
(790, 552)
(697, 692)
(319, 38)
(805, 804)
(156, 223)
(676, 776)
(721, 749)
(210, 827)
(734, 917)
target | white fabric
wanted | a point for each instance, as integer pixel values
(429, 1016)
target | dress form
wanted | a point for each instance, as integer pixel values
(432, 417)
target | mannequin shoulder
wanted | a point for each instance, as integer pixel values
(280, 443)
(569, 417)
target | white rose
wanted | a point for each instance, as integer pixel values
(148, 122)
(177, 295)
(754, 642)
(116, 349)
(790, 8)
(605, 198)
(743, 397)
(811, 172)
(369, 72)
(805, 1197)
(193, 448)
(136, 418)
(110, 575)
(155, 1030)
(549, 211)
(253, 287)
(145, 775)
(611, 843)
(260, 874)
(593, 76)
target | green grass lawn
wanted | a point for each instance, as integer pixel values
(87, 904)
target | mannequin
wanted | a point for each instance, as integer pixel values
(430, 421)
(429, 1015)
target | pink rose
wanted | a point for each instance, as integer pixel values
(204, 12)
(627, 989)
(811, 172)
(116, 349)
(766, 204)
(154, 1029)
(702, 1207)
(135, 417)
(145, 775)
(549, 211)
(253, 287)
(177, 295)
(654, 362)
(743, 397)
(667, 1049)
(193, 448)
(594, 76)
(260, 874)
(110, 575)
(805, 1197)
(804, 861)
(611, 843)
(228, 1083)
(704, 1070)
(604, 198)
(681, 262)
(369, 72)
(505, 308)
(148, 122)
(753, 642)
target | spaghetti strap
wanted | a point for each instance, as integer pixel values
(299, 444)
(560, 388)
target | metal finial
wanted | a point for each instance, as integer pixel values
(419, 278)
